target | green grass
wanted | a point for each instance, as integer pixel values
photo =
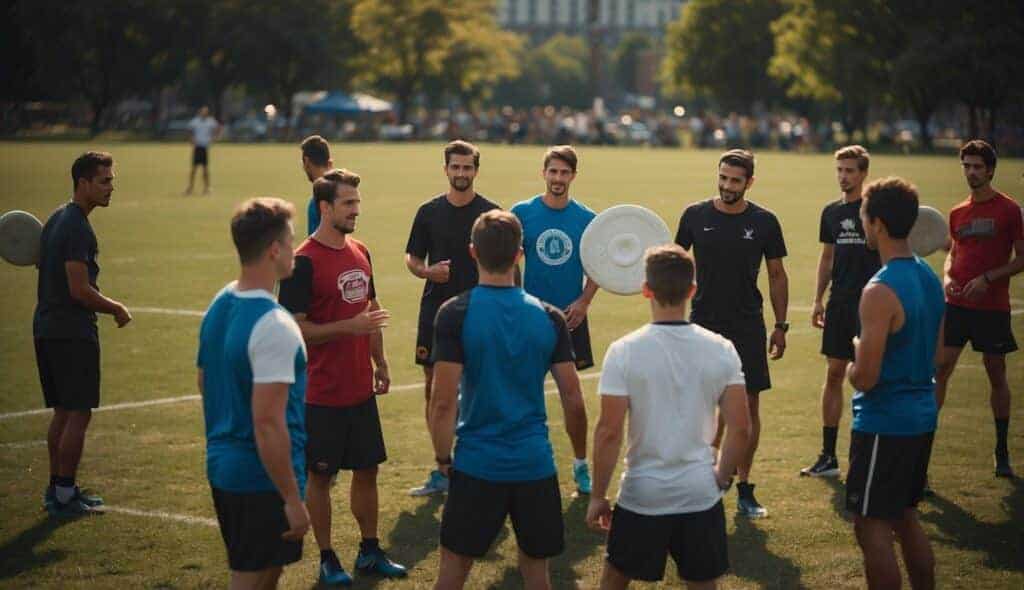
(161, 250)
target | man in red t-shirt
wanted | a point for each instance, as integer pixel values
(332, 296)
(985, 229)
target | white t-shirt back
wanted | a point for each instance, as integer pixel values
(203, 130)
(674, 376)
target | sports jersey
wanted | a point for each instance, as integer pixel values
(903, 401)
(853, 263)
(67, 236)
(203, 129)
(245, 339)
(983, 236)
(551, 242)
(328, 285)
(506, 341)
(312, 216)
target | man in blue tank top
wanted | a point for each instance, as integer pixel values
(894, 410)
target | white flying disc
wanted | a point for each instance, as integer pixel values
(930, 232)
(19, 238)
(613, 245)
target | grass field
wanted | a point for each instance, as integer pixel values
(165, 256)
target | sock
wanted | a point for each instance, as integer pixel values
(828, 440)
(328, 555)
(65, 489)
(369, 544)
(577, 462)
(1002, 426)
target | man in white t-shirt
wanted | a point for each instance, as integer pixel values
(669, 376)
(204, 130)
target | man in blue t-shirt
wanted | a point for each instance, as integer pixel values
(252, 376)
(498, 343)
(553, 224)
(894, 408)
(316, 161)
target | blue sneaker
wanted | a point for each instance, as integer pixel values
(436, 483)
(375, 561)
(581, 474)
(332, 574)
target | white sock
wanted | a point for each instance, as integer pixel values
(577, 462)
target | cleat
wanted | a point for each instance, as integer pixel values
(74, 508)
(90, 500)
(436, 483)
(332, 574)
(825, 466)
(747, 505)
(376, 562)
(1003, 468)
(581, 475)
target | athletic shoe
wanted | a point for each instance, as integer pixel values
(581, 474)
(375, 561)
(74, 507)
(436, 483)
(90, 500)
(747, 504)
(1003, 468)
(332, 574)
(825, 466)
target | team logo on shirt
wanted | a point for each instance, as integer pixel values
(748, 234)
(554, 247)
(977, 228)
(847, 224)
(354, 285)
(848, 233)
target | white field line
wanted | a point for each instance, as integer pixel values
(182, 518)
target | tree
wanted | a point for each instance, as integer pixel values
(626, 59)
(721, 49)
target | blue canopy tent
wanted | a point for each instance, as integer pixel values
(340, 103)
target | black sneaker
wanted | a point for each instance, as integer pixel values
(1003, 468)
(747, 505)
(825, 466)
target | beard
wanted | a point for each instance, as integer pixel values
(558, 189)
(730, 197)
(976, 182)
(460, 183)
(345, 229)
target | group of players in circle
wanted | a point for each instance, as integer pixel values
(289, 382)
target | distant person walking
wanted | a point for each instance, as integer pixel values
(204, 129)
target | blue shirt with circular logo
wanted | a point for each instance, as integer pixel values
(551, 242)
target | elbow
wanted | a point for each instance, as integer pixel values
(606, 436)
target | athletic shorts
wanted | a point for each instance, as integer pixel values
(425, 333)
(251, 526)
(751, 344)
(639, 545)
(989, 331)
(887, 473)
(842, 323)
(344, 438)
(475, 513)
(69, 372)
(200, 155)
(581, 346)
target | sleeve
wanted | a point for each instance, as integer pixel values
(296, 292)
(373, 289)
(419, 236)
(77, 244)
(1017, 224)
(776, 244)
(448, 330)
(733, 365)
(272, 346)
(613, 372)
(201, 349)
(684, 237)
(563, 352)
(824, 235)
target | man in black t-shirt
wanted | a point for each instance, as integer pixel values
(438, 251)
(730, 236)
(65, 332)
(847, 263)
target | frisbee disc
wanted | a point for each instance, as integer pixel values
(19, 238)
(930, 232)
(613, 245)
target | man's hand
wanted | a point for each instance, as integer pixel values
(952, 288)
(724, 480)
(976, 288)
(576, 313)
(369, 321)
(818, 315)
(381, 379)
(438, 272)
(599, 514)
(777, 344)
(122, 316)
(298, 520)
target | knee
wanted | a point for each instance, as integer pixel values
(995, 366)
(835, 375)
(367, 477)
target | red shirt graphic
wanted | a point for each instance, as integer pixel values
(983, 236)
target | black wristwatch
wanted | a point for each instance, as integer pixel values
(784, 326)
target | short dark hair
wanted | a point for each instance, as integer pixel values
(316, 150)
(739, 158)
(855, 152)
(894, 201)
(980, 147)
(565, 153)
(497, 236)
(325, 188)
(257, 223)
(461, 148)
(669, 273)
(88, 164)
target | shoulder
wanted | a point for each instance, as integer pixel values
(831, 207)
(358, 245)
(961, 206)
(455, 308)
(581, 210)
(486, 204)
(430, 205)
(699, 206)
(1008, 203)
(523, 207)
(275, 324)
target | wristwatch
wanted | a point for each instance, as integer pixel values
(784, 326)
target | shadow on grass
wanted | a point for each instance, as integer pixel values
(20, 555)
(1002, 543)
(838, 498)
(750, 559)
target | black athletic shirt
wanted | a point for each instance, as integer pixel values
(67, 236)
(728, 249)
(439, 232)
(853, 263)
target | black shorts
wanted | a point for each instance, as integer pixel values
(344, 438)
(251, 525)
(842, 323)
(475, 512)
(581, 346)
(989, 331)
(200, 156)
(887, 473)
(425, 333)
(639, 545)
(69, 372)
(751, 344)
